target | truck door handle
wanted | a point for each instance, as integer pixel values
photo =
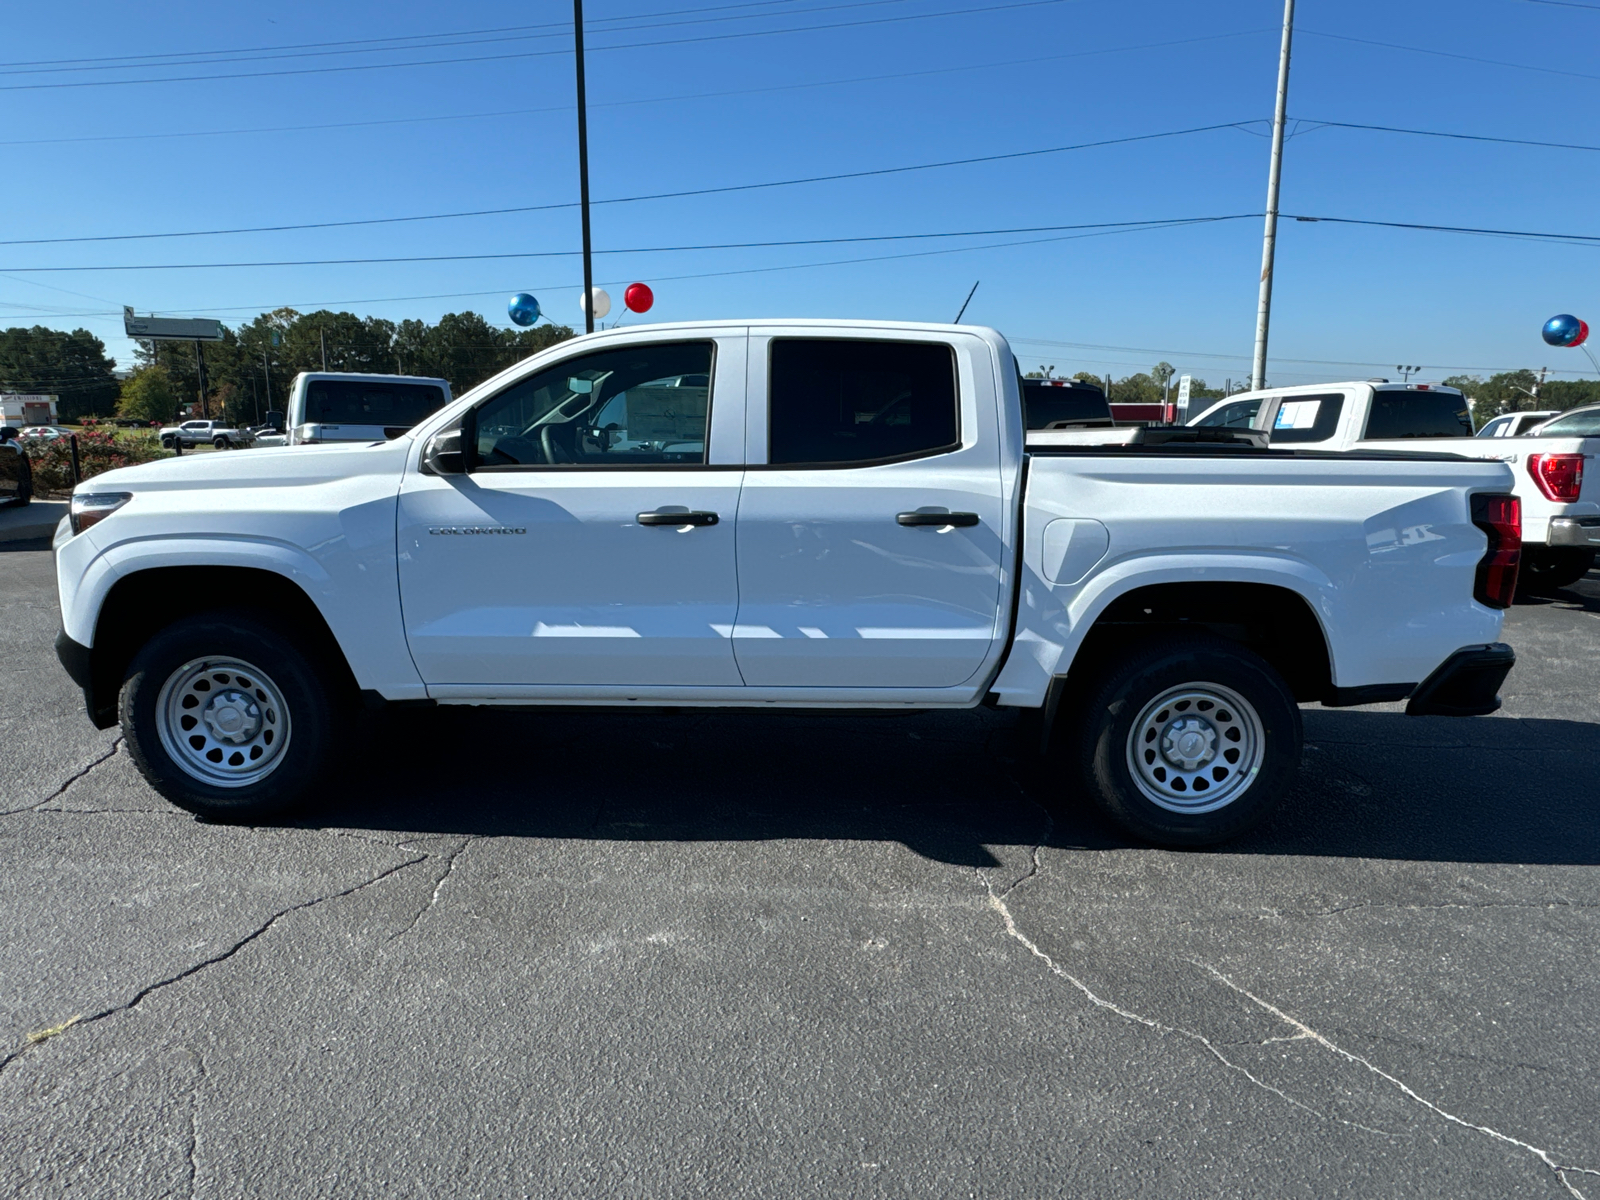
(678, 519)
(937, 518)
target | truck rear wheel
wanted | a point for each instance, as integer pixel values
(220, 443)
(1546, 570)
(228, 717)
(1189, 742)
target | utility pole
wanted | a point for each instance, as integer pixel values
(583, 168)
(323, 335)
(200, 380)
(267, 371)
(1269, 237)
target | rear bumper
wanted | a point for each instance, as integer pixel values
(1581, 532)
(1467, 684)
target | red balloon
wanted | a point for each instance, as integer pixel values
(1583, 333)
(638, 297)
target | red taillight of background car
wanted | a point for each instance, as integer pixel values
(1500, 517)
(1559, 476)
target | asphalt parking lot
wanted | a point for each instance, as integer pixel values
(599, 955)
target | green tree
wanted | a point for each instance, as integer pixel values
(72, 366)
(148, 395)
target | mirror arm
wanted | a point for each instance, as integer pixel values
(469, 440)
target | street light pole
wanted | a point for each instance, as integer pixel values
(583, 167)
(1269, 239)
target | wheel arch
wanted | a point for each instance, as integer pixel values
(141, 603)
(1275, 621)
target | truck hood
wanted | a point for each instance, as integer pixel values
(278, 466)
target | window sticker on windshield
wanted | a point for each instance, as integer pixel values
(1297, 414)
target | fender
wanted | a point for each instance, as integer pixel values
(363, 612)
(1053, 620)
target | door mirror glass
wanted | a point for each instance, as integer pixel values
(275, 421)
(580, 387)
(442, 455)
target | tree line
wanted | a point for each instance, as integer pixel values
(249, 372)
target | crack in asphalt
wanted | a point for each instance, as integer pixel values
(997, 902)
(71, 779)
(194, 1124)
(1304, 1031)
(195, 968)
(438, 886)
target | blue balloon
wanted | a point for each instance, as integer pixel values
(523, 309)
(1565, 330)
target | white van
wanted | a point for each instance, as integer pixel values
(330, 406)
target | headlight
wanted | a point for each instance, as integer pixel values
(90, 508)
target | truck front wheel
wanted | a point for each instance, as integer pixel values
(228, 717)
(1189, 741)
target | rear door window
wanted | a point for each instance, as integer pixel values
(1306, 418)
(834, 402)
(1417, 414)
(355, 402)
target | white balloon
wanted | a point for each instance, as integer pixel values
(602, 302)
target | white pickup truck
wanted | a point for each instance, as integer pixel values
(815, 514)
(1560, 506)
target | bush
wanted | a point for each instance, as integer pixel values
(99, 449)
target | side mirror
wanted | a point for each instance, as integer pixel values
(275, 421)
(442, 455)
(580, 387)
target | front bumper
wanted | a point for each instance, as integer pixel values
(78, 660)
(1466, 684)
(1582, 532)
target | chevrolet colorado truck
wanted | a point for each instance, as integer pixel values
(1560, 509)
(786, 514)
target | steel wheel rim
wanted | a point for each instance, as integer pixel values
(223, 721)
(1196, 748)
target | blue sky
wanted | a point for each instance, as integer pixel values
(888, 84)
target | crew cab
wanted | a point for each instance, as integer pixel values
(1560, 499)
(786, 514)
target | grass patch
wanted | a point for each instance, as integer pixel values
(44, 1035)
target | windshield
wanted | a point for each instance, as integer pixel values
(363, 402)
(1417, 414)
(1585, 422)
(1241, 414)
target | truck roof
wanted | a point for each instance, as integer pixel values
(371, 376)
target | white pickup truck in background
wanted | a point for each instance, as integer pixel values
(1554, 468)
(329, 406)
(786, 514)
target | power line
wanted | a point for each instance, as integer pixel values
(560, 29)
(1493, 62)
(523, 112)
(1576, 239)
(528, 208)
(124, 59)
(483, 58)
(1469, 137)
(833, 241)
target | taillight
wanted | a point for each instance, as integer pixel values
(1559, 476)
(1500, 517)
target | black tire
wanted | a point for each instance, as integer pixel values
(313, 717)
(166, 443)
(220, 443)
(1266, 726)
(1546, 570)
